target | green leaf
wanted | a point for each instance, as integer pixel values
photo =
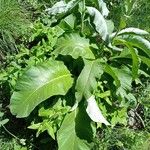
(1, 114)
(111, 72)
(94, 112)
(99, 22)
(134, 54)
(127, 51)
(110, 26)
(61, 7)
(75, 46)
(50, 130)
(37, 84)
(73, 134)
(135, 62)
(3, 122)
(122, 23)
(104, 94)
(34, 126)
(135, 31)
(103, 8)
(122, 78)
(145, 60)
(119, 116)
(86, 82)
(138, 42)
(70, 20)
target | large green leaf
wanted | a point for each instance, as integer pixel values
(103, 8)
(135, 62)
(99, 22)
(135, 31)
(135, 57)
(37, 84)
(61, 7)
(75, 46)
(110, 26)
(94, 112)
(86, 82)
(76, 132)
(145, 60)
(111, 72)
(122, 78)
(138, 42)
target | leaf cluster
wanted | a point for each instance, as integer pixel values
(81, 58)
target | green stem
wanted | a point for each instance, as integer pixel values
(16, 136)
(82, 17)
(10, 133)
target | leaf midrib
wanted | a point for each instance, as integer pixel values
(28, 99)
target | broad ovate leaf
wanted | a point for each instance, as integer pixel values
(73, 134)
(38, 84)
(99, 22)
(75, 46)
(86, 82)
(94, 112)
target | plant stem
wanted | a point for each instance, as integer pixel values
(10, 133)
(82, 17)
(16, 136)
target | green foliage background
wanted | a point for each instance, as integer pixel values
(44, 43)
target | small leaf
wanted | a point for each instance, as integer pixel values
(122, 23)
(104, 94)
(3, 122)
(1, 114)
(34, 126)
(70, 20)
(49, 129)
(119, 116)
(75, 46)
(37, 84)
(99, 22)
(94, 112)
